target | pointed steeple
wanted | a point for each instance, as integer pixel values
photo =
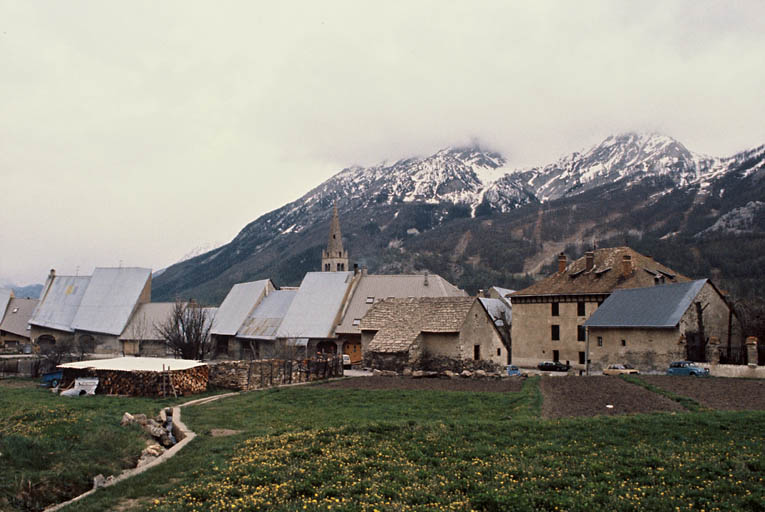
(334, 258)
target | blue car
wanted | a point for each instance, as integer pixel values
(513, 371)
(687, 368)
(51, 379)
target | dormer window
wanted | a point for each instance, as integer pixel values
(356, 321)
(370, 300)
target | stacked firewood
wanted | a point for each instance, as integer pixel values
(258, 374)
(143, 383)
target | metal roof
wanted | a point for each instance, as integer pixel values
(373, 288)
(239, 302)
(495, 308)
(110, 299)
(264, 321)
(5, 297)
(147, 317)
(59, 302)
(17, 316)
(655, 306)
(316, 306)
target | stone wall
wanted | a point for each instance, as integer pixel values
(265, 373)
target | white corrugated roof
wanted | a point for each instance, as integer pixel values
(129, 364)
(239, 302)
(59, 302)
(264, 321)
(5, 298)
(316, 306)
(110, 299)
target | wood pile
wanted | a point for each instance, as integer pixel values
(141, 382)
(259, 374)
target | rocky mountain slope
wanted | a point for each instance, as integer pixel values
(464, 213)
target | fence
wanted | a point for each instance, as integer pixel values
(265, 373)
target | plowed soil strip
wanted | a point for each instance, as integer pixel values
(715, 393)
(590, 396)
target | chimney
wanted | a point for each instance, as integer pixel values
(52, 273)
(363, 270)
(355, 269)
(626, 265)
(589, 260)
(426, 279)
(561, 262)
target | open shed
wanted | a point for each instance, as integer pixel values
(140, 376)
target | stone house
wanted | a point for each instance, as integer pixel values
(374, 288)
(430, 333)
(92, 310)
(549, 316)
(651, 327)
(14, 322)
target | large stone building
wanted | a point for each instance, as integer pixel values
(549, 316)
(651, 327)
(431, 333)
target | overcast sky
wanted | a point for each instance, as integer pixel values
(135, 132)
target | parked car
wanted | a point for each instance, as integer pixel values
(346, 361)
(620, 369)
(513, 370)
(553, 366)
(51, 379)
(687, 368)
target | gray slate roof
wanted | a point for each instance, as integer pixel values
(264, 321)
(495, 308)
(5, 297)
(315, 309)
(59, 302)
(378, 287)
(239, 302)
(17, 316)
(655, 306)
(110, 298)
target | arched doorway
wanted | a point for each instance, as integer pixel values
(46, 342)
(326, 347)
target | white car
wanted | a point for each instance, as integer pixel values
(346, 361)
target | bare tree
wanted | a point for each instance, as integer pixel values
(187, 331)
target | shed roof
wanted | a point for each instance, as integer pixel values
(315, 308)
(497, 308)
(605, 275)
(143, 324)
(59, 302)
(264, 321)
(656, 307)
(239, 302)
(373, 288)
(132, 364)
(5, 297)
(110, 298)
(17, 315)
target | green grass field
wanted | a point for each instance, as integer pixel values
(309, 448)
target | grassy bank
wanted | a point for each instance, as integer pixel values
(51, 447)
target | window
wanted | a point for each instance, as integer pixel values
(476, 352)
(555, 332)
(340, 267)
(326, 267)
(499, 351)
(600, 341)
(581, 357)
(580, 309)
(624, 343)
(370, 300)
(556, 356)
(555, 309)
(581, 333)
(356, 321)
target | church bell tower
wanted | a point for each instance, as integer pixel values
(334, 258)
